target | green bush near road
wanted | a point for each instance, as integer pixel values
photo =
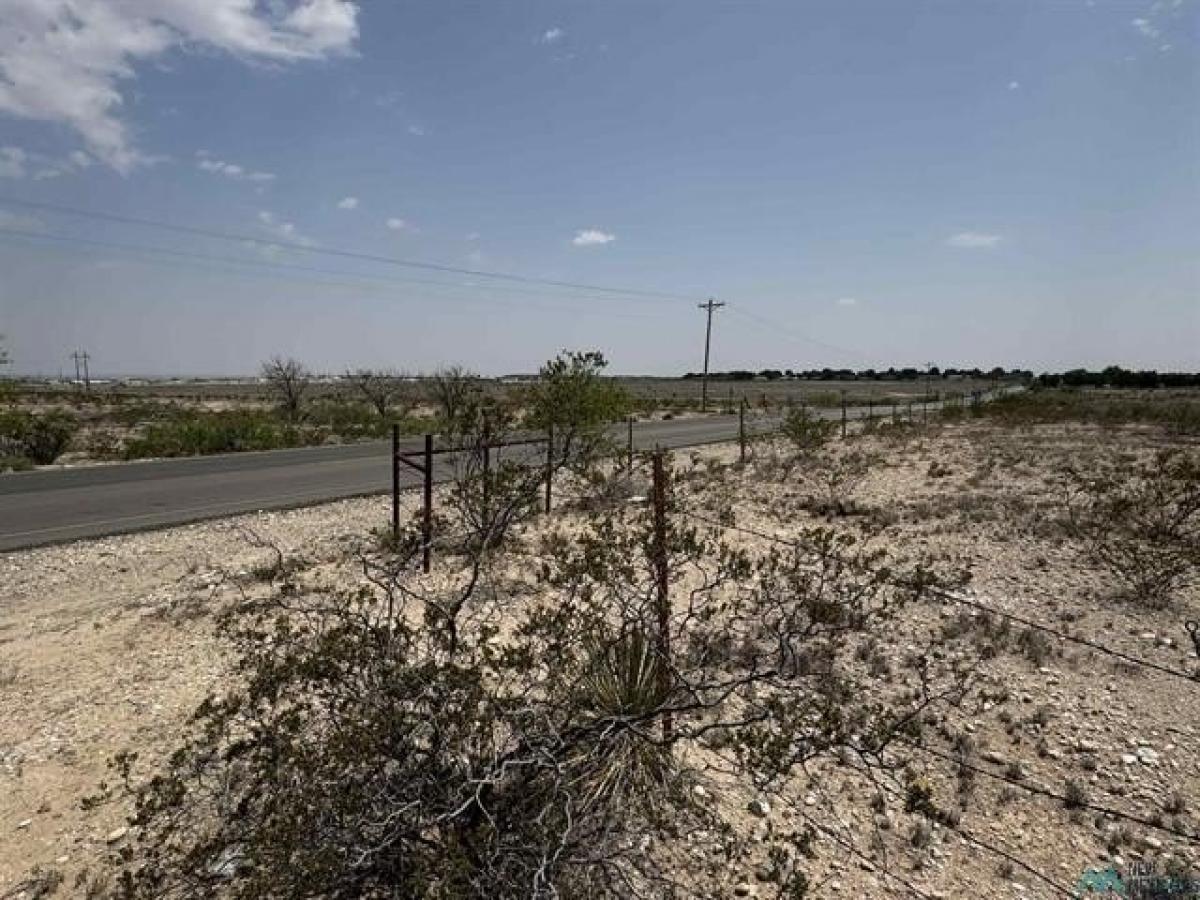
(231, 431)
(40, 438)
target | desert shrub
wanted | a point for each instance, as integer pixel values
(447, 738)
(12, 463)
(387, 391)
(289, 383)
(227, 431)
(834, 478)
(39, 437)
(805, 432)
(1179, 412)
(573, 398)
(1141, 522)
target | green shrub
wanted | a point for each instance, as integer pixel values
(39, 437)
(15, 464)
(217, 432)
(806, 432)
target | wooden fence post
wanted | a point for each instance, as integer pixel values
(630, 454)
(662, 584)
(843, 417)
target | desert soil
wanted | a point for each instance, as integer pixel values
(107, 645)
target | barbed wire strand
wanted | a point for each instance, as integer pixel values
(954, 598)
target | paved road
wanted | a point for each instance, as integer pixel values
(49, 506)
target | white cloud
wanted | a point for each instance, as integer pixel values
(396, 224)
(348, 203)
(417, 130)
(973, 240)
(12, 162)
(286, 231)
(592, 238)
(847, 301)
(1014, 85)
(64, 61)
(18, 163)
(1146, 28)
(552, 35)
(473, 236)
(230, 170)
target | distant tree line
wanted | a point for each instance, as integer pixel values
(890, 374)
(1115, 376)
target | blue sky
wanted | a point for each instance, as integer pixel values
(864, 183)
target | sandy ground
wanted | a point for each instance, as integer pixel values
(107, 645)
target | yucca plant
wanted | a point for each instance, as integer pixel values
(623, 689)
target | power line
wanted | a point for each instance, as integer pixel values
(244, 261)
(777, 328)
(365, 282)
(331, 251)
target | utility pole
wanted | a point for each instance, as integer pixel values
(82, 357)
(709, 305)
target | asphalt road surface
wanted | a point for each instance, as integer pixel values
(54, 505)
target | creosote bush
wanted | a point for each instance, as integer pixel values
(471, 737)
(38, 437)
(1141, 521)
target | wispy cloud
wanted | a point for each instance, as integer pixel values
(591, 237)
(286, 231)
(552, 35)
(1014, 85)
(1146, 28)
(396, 224)
(68, 63)
(417, 130)
(16, 162)
(847, 301)
(205, 162)
(974, 240)
(348, 203)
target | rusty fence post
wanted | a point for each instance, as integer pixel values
(662, 586)
(549, 464)
(427, 512)
(742, 429)
(396, 482)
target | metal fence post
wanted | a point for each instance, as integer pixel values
(396, 482)
(549, 464)
(742, 429)
(427, 516)
(662, 580)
